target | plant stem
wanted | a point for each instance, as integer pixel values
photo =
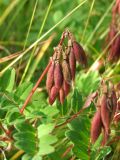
(5, 131)
(67, 151)
(16, 155)
(34, 88)
(70, 119)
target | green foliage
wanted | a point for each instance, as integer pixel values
(45, 132)
(7, 80)
(79, 135)
(88, 83)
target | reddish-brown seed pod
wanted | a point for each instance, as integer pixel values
(66, 87)
(96, 126)
(105, 137)
(53, 94)
(72, 63)
(105, 113)
(50, 76)
(79, 53)
(118, 106)
(61, 95)
(114, 102)
(66, 71)
(58, 76)
(116, 49)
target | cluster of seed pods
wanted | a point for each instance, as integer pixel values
(113, 35)
(107, 108)
(62, 71)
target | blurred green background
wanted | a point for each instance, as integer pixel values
(21, 22)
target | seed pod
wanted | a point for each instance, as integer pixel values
(79, 53)
(66, 71)
(72, 63)
(114, 102)
(115, 49)
(105, 113)
(105, 137)
(50, 76)
(53, 94)
(58, 76)
(118, 106)
(61, 95)
(96, 126)
(66, 87)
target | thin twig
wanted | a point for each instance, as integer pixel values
(16, 155)
(35, 87)
(67, 151)
(70, 119)
(7, 132)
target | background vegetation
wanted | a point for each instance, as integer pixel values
(29, 30)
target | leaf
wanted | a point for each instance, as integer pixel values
(14, 116)
(45, 144)
(24, 127)
(78, 134)
(50, 111)
(45, 129)
(28, 147)
(103, 152)
(29, 157)
(27, 136)
(7, 80)
(46, 139)
(63, 109)
(76, 100)
(26, 157)
(23, 90)
(88, 83)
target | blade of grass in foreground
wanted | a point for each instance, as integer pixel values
(41, 29)
(99, 23)
(43, 36)
(29, 28)
(8, 10)
(87, 22)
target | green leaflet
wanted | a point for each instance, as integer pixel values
(78, 134)
(35, 142)
(23, 90)
(76, 100)
(7, 80)
(45, 129)
(88, 83)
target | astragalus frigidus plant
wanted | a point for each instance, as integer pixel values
(72, 111)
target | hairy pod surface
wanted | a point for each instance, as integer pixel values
(50, 76)
(66, 87)
(72, 63)
(66, 71)
(58, 76)
(61, 95)
(105, 113)
(96, 126)
(53, 94)
(79, 53)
